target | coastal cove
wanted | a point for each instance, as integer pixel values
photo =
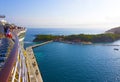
(61, 62)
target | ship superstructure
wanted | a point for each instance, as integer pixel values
(13, 66)
(16, 63)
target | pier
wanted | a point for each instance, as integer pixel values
(33, 69)
(37, 45)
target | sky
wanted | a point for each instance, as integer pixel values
(62, 13)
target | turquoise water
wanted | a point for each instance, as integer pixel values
(61, 62)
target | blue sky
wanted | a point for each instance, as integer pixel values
(62, 13)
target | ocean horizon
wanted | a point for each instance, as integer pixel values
(32, 31)
(62, 62)
(82, 40)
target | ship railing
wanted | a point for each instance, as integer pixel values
(14, 64)
(5, 73)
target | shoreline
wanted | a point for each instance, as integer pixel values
(32, 65)
(33, 70)
(71, 42)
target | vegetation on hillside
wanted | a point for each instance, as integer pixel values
(44, 38)
(93, 38)
(98, 38)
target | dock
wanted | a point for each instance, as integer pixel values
(37, 45)
(33, 69)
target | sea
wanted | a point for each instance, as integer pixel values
(63, 62)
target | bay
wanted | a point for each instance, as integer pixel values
(61, 62)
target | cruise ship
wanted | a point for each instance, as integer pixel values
(15, 63)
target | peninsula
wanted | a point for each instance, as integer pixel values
(81, 38)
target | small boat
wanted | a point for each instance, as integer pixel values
(116, 49)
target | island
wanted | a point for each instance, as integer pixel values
(109, 36)
(80, 38)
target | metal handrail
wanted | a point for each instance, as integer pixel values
(5, 72)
